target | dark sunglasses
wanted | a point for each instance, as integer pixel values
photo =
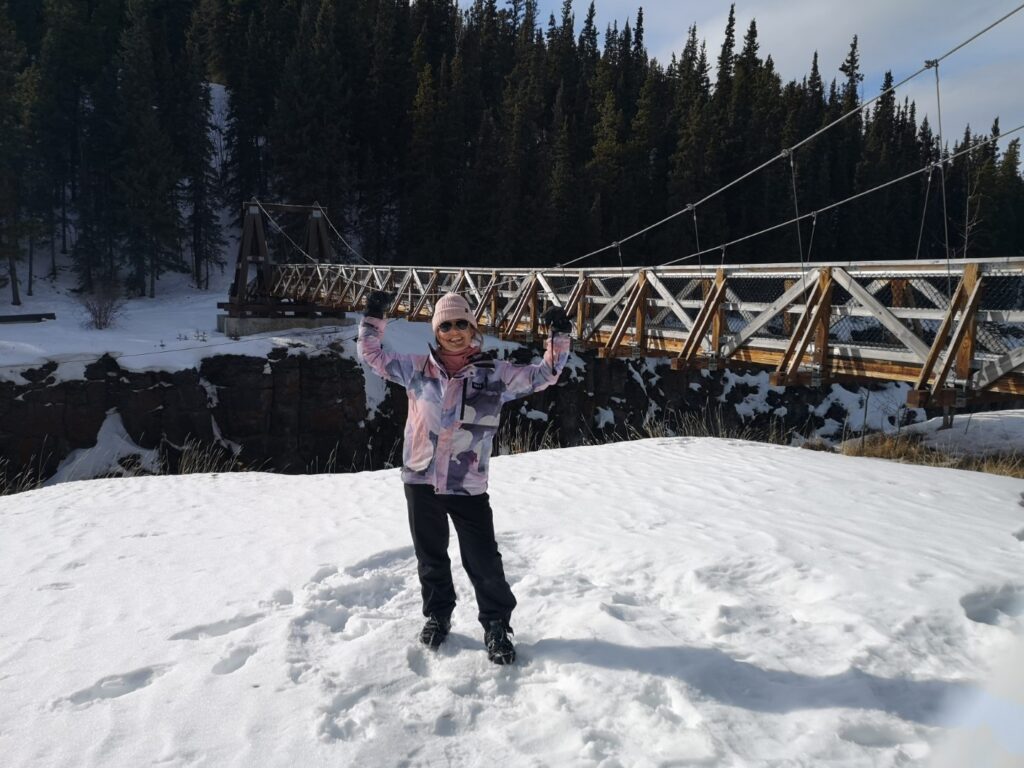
(447, 325)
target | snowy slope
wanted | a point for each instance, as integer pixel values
(682, 602)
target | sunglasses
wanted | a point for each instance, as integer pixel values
(447, 325)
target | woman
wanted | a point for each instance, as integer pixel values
(455, 398)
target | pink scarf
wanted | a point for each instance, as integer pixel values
(454, 362)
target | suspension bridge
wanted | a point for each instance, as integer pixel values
(953, 328)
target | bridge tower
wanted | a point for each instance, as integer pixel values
(255, 303)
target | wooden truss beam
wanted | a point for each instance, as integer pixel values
(964, 303)
(813, 322)
(708, 317)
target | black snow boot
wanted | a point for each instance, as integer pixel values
(435, 631)
(499, 646)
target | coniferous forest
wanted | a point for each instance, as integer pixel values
(441, 135)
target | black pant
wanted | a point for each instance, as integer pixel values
(474, 526)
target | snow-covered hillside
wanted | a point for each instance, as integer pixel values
(682, 602)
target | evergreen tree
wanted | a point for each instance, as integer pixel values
(200, 180)
(604, 174)
(422, 211)
(95, 252)
(12, 55)
(309, 134)
(145, 178)
(522, 118)
(27, 17)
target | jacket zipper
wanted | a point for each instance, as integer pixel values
(462, 413)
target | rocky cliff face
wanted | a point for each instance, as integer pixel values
(296, 413)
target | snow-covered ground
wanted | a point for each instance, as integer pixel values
(683, 602)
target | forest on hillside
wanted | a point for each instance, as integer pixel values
(440, 135)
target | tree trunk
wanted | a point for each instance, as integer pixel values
(31, 262)
(152, 272)
(12, 272)
(63, 221)
(53, 246)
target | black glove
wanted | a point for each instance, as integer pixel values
(377, 304)
(556, 319)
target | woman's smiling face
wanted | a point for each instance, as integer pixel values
(455, 339)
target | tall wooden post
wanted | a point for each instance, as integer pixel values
(718, 323)
(820, 359)
(965, 354)
(583, 308)
(251, 251)
(787, 319)
(640, 321)
(534, 317)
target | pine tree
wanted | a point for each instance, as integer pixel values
(604, 174)
(95, 252)
(27, 18)
(12, 55)
(309, 134)
(421, 204)
(145, 178)
(522, 123)
(197, 164)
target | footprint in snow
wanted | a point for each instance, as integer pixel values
(216, 629)
(282, 597)
(872, 735)
(56, 586)
(349, 716)
(389, 558)
(115, 686)
(417, 662)
(234, 661)
(624, 607)
(989, 606)
(1019, 535)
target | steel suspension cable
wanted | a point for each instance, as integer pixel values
(840, 203)
(924, 211)
(942, 178)
(343, 240)
(280, 229)
(796, 211)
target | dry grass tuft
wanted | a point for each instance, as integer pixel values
(11, 483)
(909, 448)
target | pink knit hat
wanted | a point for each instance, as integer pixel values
(452, 307)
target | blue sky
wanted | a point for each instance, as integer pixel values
(980, 82)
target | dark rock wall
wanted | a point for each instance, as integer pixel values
(297, 413)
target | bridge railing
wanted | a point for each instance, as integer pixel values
(954, 329)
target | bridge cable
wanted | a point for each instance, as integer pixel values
(840, 203)
(796, 210)
(308, 257)
(696, 239)
(280, 229)
(860, 108)
(343, 240)
(814, 226)
(942, 177)
(924, 211)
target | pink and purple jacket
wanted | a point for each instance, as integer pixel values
(452, 419)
